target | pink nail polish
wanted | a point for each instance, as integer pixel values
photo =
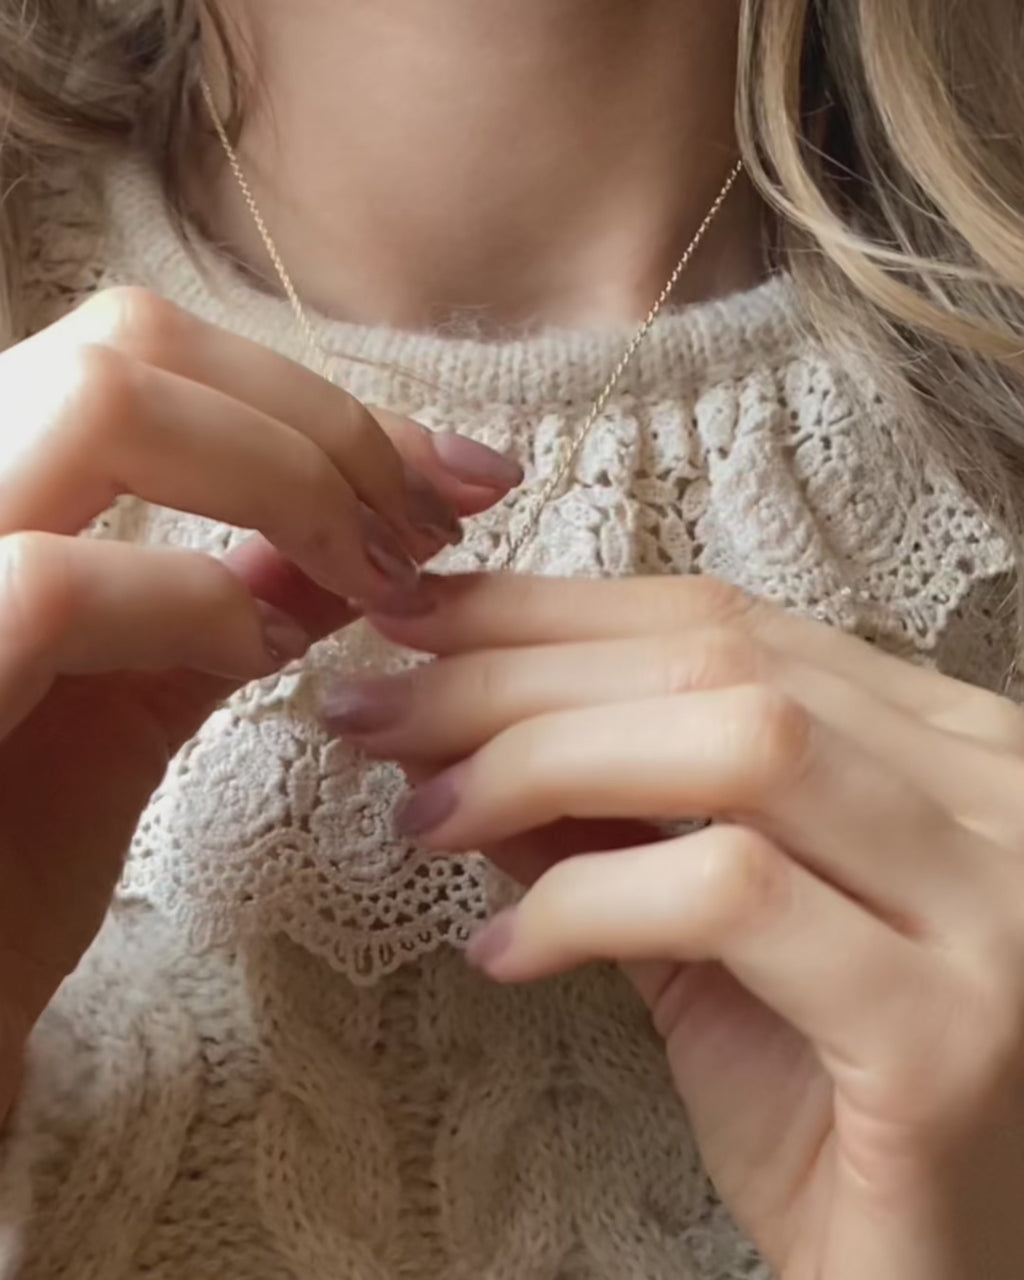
(283, 638)
(428, 512)
(385, 552)
(428, 806)
(476, 463)
(365, 706)
(493, 941)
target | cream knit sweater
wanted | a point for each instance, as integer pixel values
(273, 1065)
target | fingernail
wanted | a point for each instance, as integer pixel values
(489, 944)
(428, 806)
(365, 706)
(475, 463)
(283, 638)
(428, 511)
(386, 553)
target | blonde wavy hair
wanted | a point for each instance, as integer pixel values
(887, 136)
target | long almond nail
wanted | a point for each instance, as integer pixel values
(386, 553)
(365, 706)
(428, 806)
(427, 510)
(490, 944)
(475, 463)
(283, 638)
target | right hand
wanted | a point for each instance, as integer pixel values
(112, 655)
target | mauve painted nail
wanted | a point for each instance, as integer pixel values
(428, 806)
(385, 552)
(428, 511)
(284, 639)
(365, 706)
(488, 946)
(476, 463)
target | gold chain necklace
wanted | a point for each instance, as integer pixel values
(514, 545)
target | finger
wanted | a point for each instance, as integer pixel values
(469, 475)
(131, 428)
(157, 333)
(270, 577)
(854, 986)
(744, 750)
(412, 482)
(275, 581)
(493, 611)
(527, 857)
(977, 783)
(71, 606)
(443, 711)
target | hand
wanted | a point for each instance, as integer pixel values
(836, 963)
(111, 656)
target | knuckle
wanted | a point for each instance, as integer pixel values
(207, 580)
(359, 428)
(314, 475)
(36, 587)
(746, 880)
(317, 544)
(719, 603)
(773, 736)
(133, 318)
(710, 659)
(997, 721)
(103, 392)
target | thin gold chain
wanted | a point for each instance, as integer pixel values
(315, 352)
(514, 547)
(517, 544)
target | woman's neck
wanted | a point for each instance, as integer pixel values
(499, 162)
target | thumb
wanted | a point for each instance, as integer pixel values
(182, 700)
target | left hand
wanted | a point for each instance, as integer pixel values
(836, 964)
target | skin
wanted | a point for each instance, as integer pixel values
(835, 964)
(112, 656)
(599, 133)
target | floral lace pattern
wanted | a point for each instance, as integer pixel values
(263, 826)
